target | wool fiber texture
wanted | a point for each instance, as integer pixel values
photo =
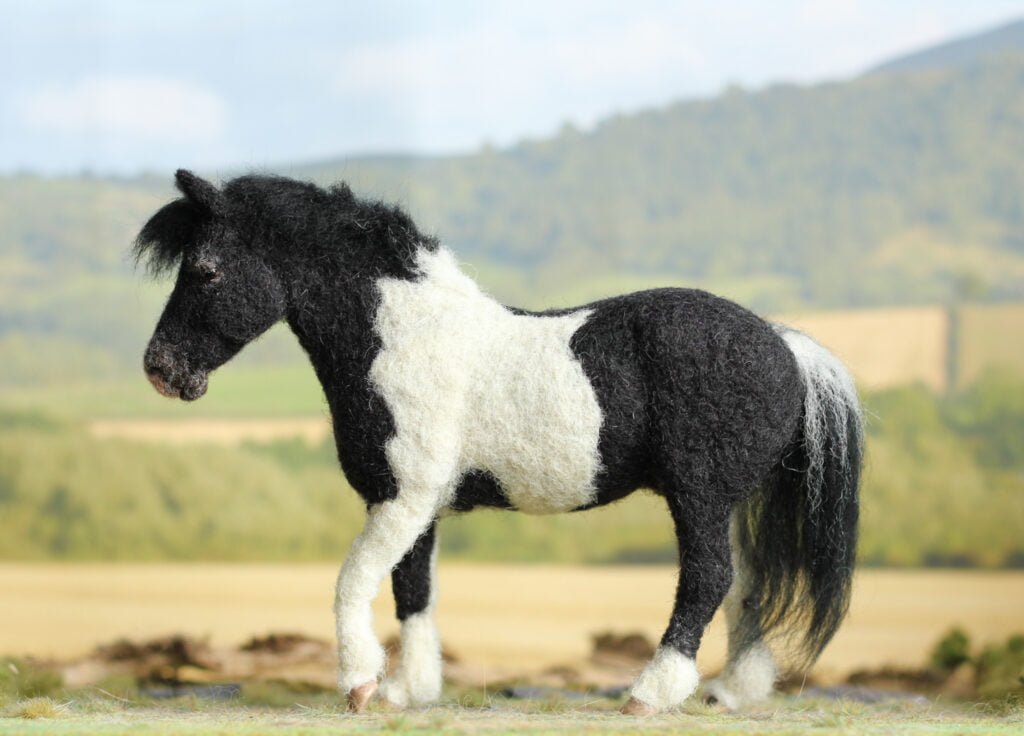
(747, 678)
(417, 679)
(473, 386)
(667, 681)
(443, 400)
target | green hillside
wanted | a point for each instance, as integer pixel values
(961, 52)
(894, 188)
(884, 189)
(72, 306)
(65, 495)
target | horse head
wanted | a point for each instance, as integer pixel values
(225, 295)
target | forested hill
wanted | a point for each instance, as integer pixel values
(898, 187)
(961, 52)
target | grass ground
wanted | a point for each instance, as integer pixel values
(262, 711)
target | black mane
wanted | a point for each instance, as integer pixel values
(268, 211)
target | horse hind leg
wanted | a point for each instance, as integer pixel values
(704, 578)
(750, 671)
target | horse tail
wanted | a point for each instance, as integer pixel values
(799, 531)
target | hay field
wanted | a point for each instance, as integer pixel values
(884, 347)
(990, 335)
(512, 619)
(231, 432)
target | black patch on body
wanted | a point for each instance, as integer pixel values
(479, 488)
(345, 246)
(714, 355)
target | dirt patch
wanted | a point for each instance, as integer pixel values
(287, 665)
(157, 660)
(617, 650)
(181, 660)
(309, 663)
(280, 644)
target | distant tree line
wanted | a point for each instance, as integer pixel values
(944, 485)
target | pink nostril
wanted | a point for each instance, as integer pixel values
(160, 383)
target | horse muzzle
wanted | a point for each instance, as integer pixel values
(171, 380)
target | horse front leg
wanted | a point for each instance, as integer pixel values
(417, 679)
(392, 528)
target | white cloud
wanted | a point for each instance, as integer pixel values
(150, 107)
(503, 65)
(829, 12)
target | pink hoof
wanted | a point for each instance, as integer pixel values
(359, 697)
(634, 707)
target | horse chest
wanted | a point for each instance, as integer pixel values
(474, 387)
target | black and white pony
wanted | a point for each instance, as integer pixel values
(444, 400)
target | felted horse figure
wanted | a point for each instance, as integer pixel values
(444, 400)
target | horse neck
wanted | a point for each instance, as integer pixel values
(330, 313)
(334, 308)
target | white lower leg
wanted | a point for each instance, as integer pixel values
(360, 655)
(669, 679)
(417, 680)
(391, 528)
(746, 679)
(750, 673)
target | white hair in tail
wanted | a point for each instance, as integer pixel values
(831, 398)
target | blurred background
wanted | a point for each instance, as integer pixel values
(853, 167)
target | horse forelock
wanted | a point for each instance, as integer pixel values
(164, 239)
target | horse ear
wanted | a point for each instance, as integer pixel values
(199, 192)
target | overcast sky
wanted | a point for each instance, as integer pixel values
(120, 85)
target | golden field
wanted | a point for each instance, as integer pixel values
(884, 347)
(231, 432)
(510, 618)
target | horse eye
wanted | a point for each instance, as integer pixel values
(209, 272)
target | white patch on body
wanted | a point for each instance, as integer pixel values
(473, 386)
(470, 385)
(669, 679)
(417, 679)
